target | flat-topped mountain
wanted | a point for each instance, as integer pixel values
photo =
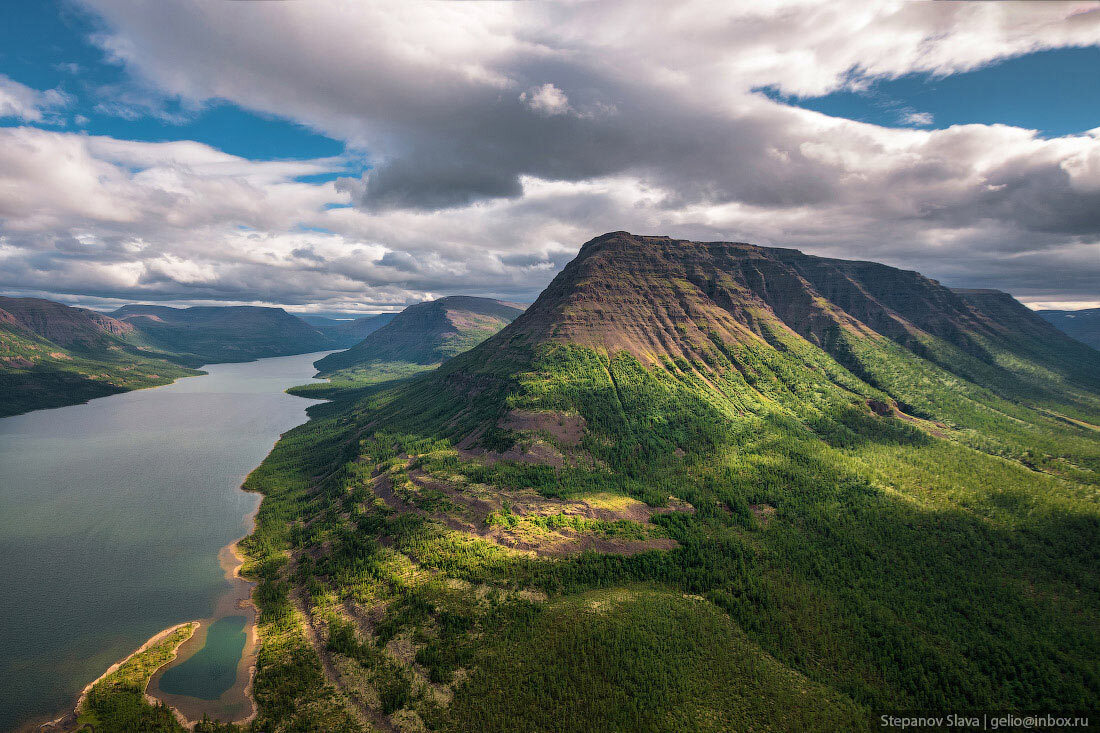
(62, 324)
(205, 334)
(707, 485)
(53, 355)
(656, 296)
(1083, 325)
(426, 334)
(704, 307)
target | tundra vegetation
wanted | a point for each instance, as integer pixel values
(52, 355)
(695, 486)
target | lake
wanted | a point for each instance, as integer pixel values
(113, 515)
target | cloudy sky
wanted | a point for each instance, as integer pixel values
(359, 156)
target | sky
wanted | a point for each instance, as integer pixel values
(357, 156)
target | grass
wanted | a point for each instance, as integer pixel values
(117, 701)
(941, 557)
(37, 374)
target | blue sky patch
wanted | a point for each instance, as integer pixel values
(1056, 92)
(45, 44)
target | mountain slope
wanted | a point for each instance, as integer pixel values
(1083, 325)
(425, 334)
(53, 355)
(228, 333)
(885, 490)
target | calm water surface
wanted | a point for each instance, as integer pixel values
(213, 669)
(112, 515)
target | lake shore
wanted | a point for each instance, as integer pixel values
(194, 461)
(236, 704)
(69, 720)
(188, 710)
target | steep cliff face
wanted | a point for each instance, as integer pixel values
(998, 312)
(427, 333)
(656, 297)
(62, 324)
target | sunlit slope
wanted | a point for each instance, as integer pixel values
(420, 337)
(53, 355)
(746, 330)
(874, 493)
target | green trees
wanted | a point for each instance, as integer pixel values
(860, 520)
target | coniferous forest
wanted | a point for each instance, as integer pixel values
(693, 487)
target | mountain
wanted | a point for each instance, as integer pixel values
(422, 336)
(694, 486)
(1083, 325)
(347, 333)
(53, 355)
(204, 335)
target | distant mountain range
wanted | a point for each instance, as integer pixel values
(203, 335)
(694, 486)
(350, 331)
(421, 337)
(1083, 325)
(52, 354)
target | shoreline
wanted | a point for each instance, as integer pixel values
(232, 601)
(67, 721)
(231, 561)
(236, 599)
(199, 371)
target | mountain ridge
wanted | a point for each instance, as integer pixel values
(1083, 325)
(206, 334)
(62, 324)
(742, 430)
(53, 355)
(426, 334)
(657, 297)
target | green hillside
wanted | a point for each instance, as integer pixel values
(419, 338)
(52, 355)
(700, 486)
(204, 335)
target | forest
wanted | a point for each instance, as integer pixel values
(765, 533)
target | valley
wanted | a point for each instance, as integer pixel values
(549, 367)
(848, 477)
(703, 486)
(1083, 324)
(52, 355)
(114, 516)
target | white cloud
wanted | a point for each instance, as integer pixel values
(917, 119)
(546, 99)
(502, 135)
(27, 104)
